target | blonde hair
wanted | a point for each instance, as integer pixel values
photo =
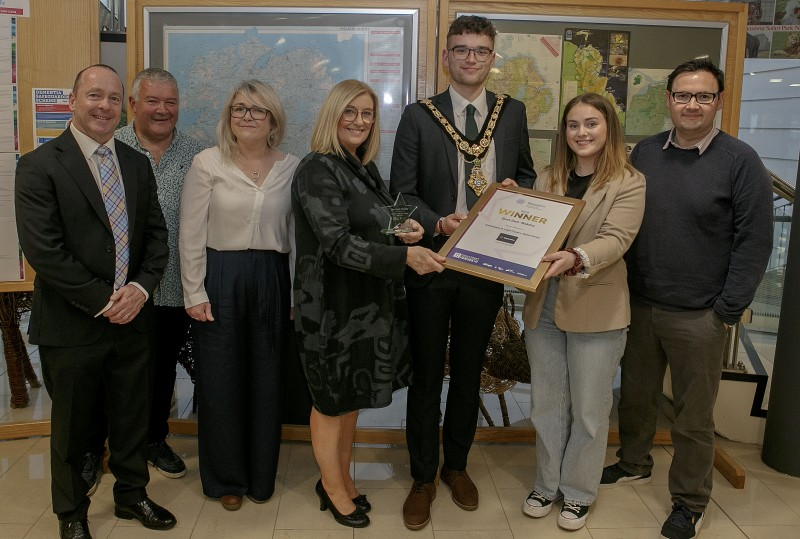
(262, 95)
(611, 163)
(325, 139)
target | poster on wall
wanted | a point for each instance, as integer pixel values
(15, 8)
(12, 267)
(9, 126)
(773, 29)
(8, 50)
(528, 68)
(301, 52)
(647, 113)
(596, 61)
(51, 113)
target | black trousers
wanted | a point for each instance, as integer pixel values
(115, 370)
(464, 308)
(238, 370)
(172, 324)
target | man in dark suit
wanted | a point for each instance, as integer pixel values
(443, 183)
(91, 227)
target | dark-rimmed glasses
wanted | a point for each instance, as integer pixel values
(256, 113)
(461, 52)
(350, 114)
(702, 98)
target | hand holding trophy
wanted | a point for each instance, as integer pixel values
(399, 213)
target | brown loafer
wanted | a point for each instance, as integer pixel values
(231, 502)
(462, 489)
(417, 508)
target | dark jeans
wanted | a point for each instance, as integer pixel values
(691, 343)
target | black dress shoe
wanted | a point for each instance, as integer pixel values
(148, 512)
(78, 529)
(362, 503)
(356, 519)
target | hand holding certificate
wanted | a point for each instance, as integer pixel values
(507, 233)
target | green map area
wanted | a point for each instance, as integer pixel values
(647, 113)
(520, 80)
(528, 68)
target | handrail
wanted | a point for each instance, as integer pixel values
(781, 187)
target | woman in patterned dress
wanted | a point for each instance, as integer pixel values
(349, 300)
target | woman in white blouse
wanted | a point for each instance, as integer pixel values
(236, 247)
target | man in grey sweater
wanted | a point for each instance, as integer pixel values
(702, 249)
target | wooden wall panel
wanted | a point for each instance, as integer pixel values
(53, 44)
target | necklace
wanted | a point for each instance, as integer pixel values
(255, 175)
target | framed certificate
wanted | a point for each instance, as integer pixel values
(508, 231)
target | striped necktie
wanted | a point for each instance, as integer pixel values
(114, 200)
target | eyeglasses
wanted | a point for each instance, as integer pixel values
(702, 98)
(350, 114)
(256, 113)
(462, 53)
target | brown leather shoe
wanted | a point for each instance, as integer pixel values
(462, 489)
(231, 502)
(417, 508)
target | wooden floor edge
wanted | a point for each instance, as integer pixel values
(729, 468)
(723, 462)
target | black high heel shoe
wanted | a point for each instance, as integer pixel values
(362, 503)
(356, 519)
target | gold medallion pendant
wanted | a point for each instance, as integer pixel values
(477, 181)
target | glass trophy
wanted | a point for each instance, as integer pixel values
(398, 213)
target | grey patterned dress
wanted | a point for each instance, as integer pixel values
(349, 299)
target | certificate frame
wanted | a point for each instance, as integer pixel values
(469, 249)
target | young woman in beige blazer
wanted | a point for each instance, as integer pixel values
(576, 322)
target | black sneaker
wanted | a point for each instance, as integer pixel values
(163, 458)
(614, 476)
(683, 523)
(92, 471)
(536, 505)
(573, 516)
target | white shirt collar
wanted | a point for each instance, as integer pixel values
(88, 145)
(460, 103)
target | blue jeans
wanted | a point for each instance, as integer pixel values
(571, 381)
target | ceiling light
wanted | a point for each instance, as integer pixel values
(776, 80)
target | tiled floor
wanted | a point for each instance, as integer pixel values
(768, 508)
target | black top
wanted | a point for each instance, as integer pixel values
(577, 185)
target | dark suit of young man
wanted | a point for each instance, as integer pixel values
(429, 172)
(93, 338)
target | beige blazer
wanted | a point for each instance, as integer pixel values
(605, 229)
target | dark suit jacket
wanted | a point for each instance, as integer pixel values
(425, 160)
(66, 236)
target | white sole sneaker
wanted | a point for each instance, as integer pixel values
(569, 520)
(537, 511)
(628, 481)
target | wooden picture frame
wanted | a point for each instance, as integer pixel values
(507, 232)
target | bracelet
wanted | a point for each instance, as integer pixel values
(578, 266)
(440, 226)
